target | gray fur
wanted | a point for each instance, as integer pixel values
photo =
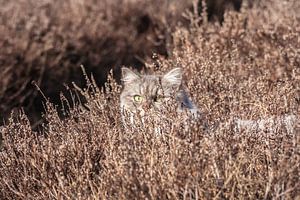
(155, 91)
(268, 123)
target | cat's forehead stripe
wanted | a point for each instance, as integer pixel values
(153, 87)
(148, 84)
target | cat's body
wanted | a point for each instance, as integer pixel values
(152, 94)
(270, 124)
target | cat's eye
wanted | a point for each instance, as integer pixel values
(137, 98)
(157, 98)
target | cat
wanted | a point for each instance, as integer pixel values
(149, 95)
(145, 94)
(271, 124)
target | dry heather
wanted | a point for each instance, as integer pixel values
(46, 42)
(248, 68)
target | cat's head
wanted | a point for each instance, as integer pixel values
(145, 93)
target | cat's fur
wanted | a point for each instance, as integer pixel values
(156, 91)
(272, 123)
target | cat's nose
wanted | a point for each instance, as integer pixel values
(147, 105)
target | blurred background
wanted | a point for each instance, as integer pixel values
(44, 42)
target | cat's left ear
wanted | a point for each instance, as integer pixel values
(128, 75)
(173, 77)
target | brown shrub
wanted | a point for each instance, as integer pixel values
(215, 9)
(47, 41)
(248, 68)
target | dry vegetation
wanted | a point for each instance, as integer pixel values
(46, 42)
(247, 68)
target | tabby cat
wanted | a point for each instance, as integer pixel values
(151, 94)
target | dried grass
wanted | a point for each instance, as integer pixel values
(47, 41)
(248, 68)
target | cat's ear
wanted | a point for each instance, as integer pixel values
(173, 77)
(128, 75)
